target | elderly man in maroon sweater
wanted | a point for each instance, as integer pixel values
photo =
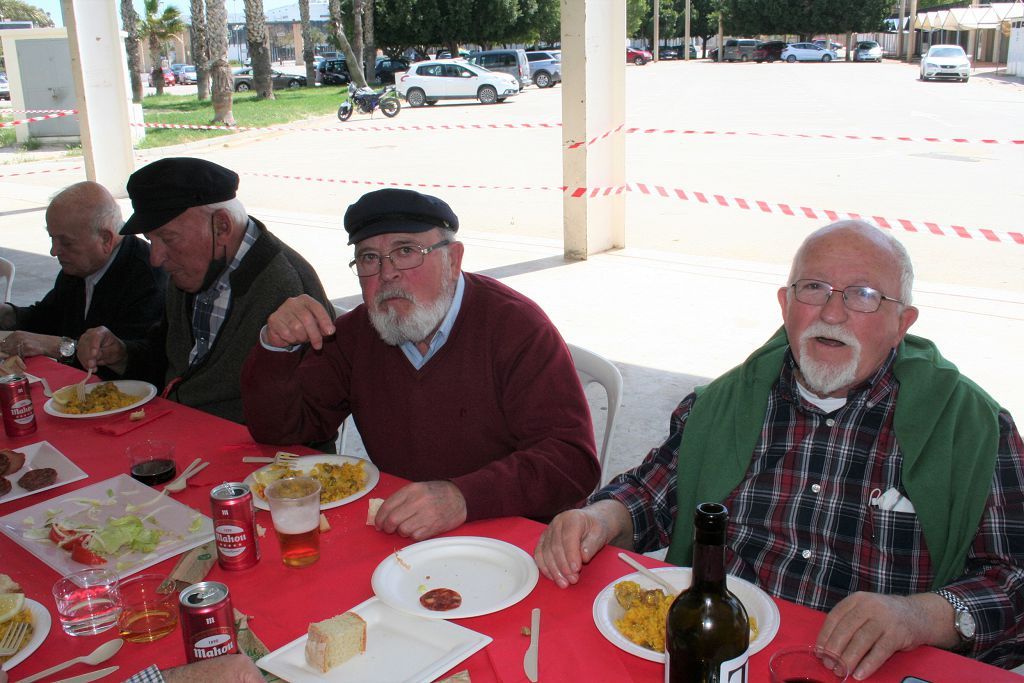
(455, 381)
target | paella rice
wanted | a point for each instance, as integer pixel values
(102, 397)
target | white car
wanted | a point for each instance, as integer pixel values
(946, 61)
(806, 52)
(454, 79)
(867, 51)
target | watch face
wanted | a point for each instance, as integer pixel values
(67, 348)
(965, 625)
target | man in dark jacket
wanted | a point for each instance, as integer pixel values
(228, 274)
(104, 279)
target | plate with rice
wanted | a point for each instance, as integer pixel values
(343, 478)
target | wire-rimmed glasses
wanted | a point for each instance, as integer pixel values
(405, 257)
(855, 297)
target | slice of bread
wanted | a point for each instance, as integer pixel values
(336, 640)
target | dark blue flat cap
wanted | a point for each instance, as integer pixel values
(397, 210)
(165, 189)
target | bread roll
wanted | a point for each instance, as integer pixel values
(336, 640)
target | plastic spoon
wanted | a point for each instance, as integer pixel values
(100, 654)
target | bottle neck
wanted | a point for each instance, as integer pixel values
(709, 566)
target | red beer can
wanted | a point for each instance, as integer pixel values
(234, 526)
(16, 404)
(207, 621)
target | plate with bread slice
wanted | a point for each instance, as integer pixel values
(374, 643)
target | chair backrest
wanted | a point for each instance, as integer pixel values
(594, 368)
(346, 424)
(7, 279)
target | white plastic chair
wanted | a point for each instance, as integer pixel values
(347, 425)
(594, 368)
(6, 275)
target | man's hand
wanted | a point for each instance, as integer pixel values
(299, 320)
(574, 537)
(99, 346)
(25, 344)
(223, 669)
(422, 509)
(865, 629)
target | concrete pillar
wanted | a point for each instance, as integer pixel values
(593, 53)
(100, 70)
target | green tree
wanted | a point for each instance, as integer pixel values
(157, 28)
(703, 20)
(222, 85)
(258, 43)
(200, 49)
(18, 10)
(132, 46)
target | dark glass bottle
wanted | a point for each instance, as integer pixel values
(707, 632)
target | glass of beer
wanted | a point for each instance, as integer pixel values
(295, 509)
(149, 608)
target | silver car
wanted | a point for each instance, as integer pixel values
(945, 61)
(867, 51)
(454, 79)
(806, 52)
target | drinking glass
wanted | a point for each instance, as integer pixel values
(806, 664)
(295, 510)
(149, 608)
(152, 461)
(88, 601)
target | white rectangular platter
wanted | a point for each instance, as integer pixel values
(37, 456)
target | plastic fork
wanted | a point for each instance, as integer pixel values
(281, 458)
(80, 387)
(11, 642)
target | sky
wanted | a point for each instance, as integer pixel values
(234, 6)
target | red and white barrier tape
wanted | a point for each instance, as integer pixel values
(38, 111)
(909, 225)
(7, 124)
(48, 170)
(381, 183)
(352, 129)
(821, 136)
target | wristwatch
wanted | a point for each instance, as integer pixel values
(67, 349)
(963, 621)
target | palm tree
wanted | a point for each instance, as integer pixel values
(158, 27)
(200, 52)
(222, 84)
(257, 42)
(130, 22)
(355, 68)
(307, 42)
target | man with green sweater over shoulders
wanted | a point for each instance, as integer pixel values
(864, 475)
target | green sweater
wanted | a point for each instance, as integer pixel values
(946, 426)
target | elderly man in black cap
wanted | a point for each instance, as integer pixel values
(228, 273)
(455, 381)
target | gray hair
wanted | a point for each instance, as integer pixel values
(101, 210)
(872, 231)
(239, 216)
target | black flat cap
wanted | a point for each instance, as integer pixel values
(165, 189)
(396, 210)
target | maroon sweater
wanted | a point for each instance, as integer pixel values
(498, 410)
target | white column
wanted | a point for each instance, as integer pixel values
(593, 53)
(100, 69)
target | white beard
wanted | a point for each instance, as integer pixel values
(823, 378)
(415, 326)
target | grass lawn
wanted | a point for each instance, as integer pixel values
(289, 106)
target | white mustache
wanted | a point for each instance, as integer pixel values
(837, 332)
(383, 296)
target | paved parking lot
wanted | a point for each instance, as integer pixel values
(693, 292)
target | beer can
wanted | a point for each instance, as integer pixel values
(16, 404)
(207, 621)
(234, 526)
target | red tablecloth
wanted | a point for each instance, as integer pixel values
(283, 601)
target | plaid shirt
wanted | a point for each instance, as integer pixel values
(150, 674)
(802, 526)
(213, 304)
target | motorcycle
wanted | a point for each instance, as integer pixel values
(367, 100)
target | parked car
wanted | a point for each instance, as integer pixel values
(769, 51)
(739, 49)
(5, 88)
(675, 52)
(946, 61)
(333, 71)
(187, 75)
(169, 78)
(867, 51)
(447, 54)
(278, 80)
(454, 79)
(176, 69)
(545, 68)
(638, 57)
(386, 68)
(512, 62)
(807, 52)
(835, 47)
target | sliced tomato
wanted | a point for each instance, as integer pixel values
(66, 538)
(80, 553)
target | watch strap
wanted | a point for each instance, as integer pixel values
(959, 608)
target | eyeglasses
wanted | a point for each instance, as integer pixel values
(406, 257)
(856, 297)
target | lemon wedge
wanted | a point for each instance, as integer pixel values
(10, 605)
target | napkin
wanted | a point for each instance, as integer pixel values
(125, 423)
(563, 654)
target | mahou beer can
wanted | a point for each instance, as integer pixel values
(16, 404)
(234, 526)
(207, 621)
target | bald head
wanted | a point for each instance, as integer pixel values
(83, 221)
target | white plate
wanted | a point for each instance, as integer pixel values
(40, 629)
(129, 386)
(490, 575)
(758, 604)
(399, 648)
(113, 496)
(38, 455)
(306, 463)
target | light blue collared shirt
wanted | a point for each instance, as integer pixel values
(418, 359)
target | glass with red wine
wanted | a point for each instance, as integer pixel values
(152, 461)
(806, 664)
